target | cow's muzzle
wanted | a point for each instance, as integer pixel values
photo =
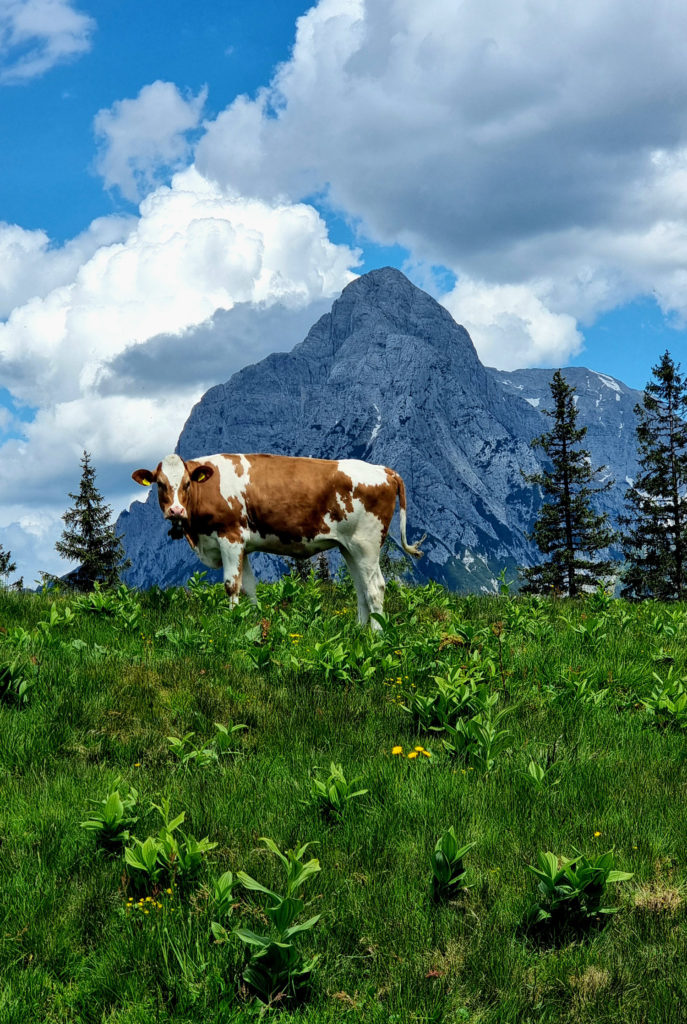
(178, 523)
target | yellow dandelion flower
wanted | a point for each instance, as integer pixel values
(168, 891)
(412, 754)
(137, 764)
(419, 749)
(397, 750)
(427, 753)
(596, 835)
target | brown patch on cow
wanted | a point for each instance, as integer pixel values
(210, 512)
(380, 499)
(292, 497)
(236, 463)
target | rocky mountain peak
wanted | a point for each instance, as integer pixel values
(388, 376)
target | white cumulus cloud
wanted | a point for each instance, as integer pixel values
(534, 145)
(195, 249)
(139, 138)
(511, 327)
(201, 283)
(35, 35)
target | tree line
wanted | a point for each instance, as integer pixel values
(652, 532)
(574, 539)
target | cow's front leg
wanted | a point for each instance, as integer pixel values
(232, 566)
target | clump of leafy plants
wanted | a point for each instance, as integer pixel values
(277, 972)
(167, 856)
(113, 816)
(335, 793)
(201, 755)
(571, 893)
(667, 704)
(478, 740)
(16, 680)
(455, 696)
(448, 872)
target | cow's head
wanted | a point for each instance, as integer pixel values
(174, 478)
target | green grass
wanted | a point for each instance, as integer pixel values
(109, 687)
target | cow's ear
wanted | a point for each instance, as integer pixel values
(144, 476)
(201, 473)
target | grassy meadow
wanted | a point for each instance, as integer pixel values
(527, 725)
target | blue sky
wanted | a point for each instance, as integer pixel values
(220, 173)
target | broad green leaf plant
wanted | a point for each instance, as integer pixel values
(277, 971)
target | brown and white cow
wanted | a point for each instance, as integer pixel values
(229, 505)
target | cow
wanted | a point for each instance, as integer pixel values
(229, 505)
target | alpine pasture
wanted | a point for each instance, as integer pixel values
(527, 726)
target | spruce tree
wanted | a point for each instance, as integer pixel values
(88, 537)
(655, 527)
(567, 528)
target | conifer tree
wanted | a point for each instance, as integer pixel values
(88, 537)
(567, 528)
(655, 526)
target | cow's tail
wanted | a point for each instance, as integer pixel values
(410, 549)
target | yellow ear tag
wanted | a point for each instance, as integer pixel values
(201, 476)
(146, 483)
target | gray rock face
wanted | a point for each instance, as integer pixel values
(388, 376)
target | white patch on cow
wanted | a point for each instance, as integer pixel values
(363, 472)
(174, 469)
(231, 567)
(231, 485)
(208, 550)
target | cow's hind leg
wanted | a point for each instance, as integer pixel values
(249, 582)
(360, 589)
(232, 566)
(365, 558)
